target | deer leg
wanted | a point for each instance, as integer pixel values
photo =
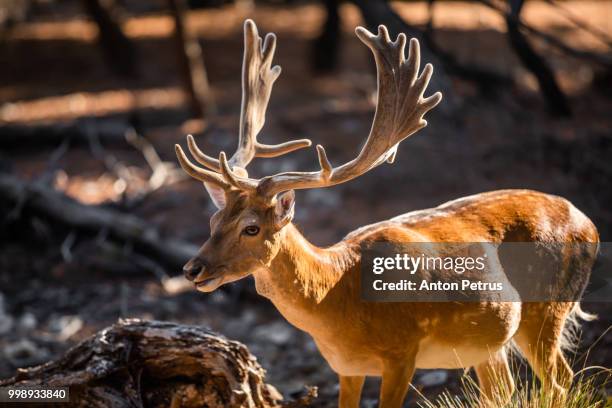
(539, 339)
(350, 391)
(565, 375)
(396, 378)
(495, 380)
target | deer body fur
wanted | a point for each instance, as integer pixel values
(318, 290)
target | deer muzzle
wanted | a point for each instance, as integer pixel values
(193, 268)
(199, 272)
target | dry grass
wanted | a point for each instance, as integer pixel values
(588, 390)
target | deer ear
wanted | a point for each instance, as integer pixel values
(217, 195)
(284, 208)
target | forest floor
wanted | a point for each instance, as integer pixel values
(480, 139)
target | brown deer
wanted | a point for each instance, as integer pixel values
(318, 289)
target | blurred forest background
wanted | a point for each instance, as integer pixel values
(96, 219)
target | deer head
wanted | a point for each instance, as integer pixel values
(247, 228)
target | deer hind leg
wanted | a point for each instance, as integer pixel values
(396, 378)
(539, 339)
(350, 391)
(495, 380)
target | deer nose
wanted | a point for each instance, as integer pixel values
(193, 268)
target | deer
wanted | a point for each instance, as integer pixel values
(317, 290)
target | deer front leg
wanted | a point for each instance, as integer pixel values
(495, 380)
(350, 391)
(396, 378)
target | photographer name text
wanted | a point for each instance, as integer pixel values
(412, 264)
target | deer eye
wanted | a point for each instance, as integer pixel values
(251, 230)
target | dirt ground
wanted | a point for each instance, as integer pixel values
(51, 72)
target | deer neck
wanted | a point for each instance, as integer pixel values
(302, 274)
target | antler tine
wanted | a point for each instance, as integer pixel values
(399, 114)
(198, 173)
(236, 180)
(200, 156)
(258, 77)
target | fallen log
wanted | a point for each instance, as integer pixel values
(137, 363)
(79, 133)
(47, 203)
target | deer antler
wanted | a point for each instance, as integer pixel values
(399, 114)
(257, 79)
(198, 173)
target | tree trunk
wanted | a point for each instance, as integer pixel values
(376, 12)
(325, 48)
(137, 363)
(193, 71)
(554, 96)
(118, 49)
